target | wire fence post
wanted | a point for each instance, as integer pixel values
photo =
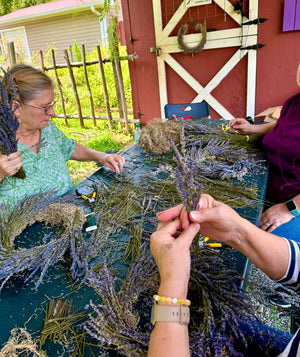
(73, 82)
(88, 84)
(59, 88)
(122, 94)
(106, 98)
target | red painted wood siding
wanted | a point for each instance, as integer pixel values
(277, 62)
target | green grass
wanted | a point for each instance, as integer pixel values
(95, 82)
(99, 138)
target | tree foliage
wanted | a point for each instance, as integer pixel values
(8, 6)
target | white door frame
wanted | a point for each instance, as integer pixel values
(166, 45)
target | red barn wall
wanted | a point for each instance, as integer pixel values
(277, 62)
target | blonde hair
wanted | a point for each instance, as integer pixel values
(30, 81)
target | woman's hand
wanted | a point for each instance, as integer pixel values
(217, 220)
(113, 161)
(171, 252)
(274, 217)
(180, 211)
(10, 164)
(242, 126)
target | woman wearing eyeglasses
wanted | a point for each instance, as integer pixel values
(45, 166)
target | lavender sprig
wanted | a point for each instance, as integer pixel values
(187, 189)
(114, 322)
(9, 123)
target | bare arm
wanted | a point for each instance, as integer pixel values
(245, 128)
(268, 252)
(218, 221)
(172, 256)
(113, 161)
(169, 339)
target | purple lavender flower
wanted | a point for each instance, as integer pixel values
(114, 322)
(9, 123)
(186, 186)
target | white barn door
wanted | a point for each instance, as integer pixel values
(166, 45)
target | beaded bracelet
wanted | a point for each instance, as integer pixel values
(171, 300)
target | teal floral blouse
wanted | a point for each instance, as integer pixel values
(45, 171)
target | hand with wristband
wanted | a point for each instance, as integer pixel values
(276, 256)
(172, 255)
(279, 214)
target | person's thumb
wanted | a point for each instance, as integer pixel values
(204, 215)
(189, 233)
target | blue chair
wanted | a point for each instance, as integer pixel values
(196, 110)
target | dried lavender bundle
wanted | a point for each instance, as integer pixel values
(216, 177)
(187, 188)
(126, 215)
(114, 323)
(81, 251)
(218, 305)
(9, 123)
(40, 258)
(201, 134)
(12, 223)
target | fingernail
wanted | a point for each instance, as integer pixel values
(193, 214)
(197, 226)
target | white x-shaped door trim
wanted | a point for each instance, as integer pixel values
(236, 37)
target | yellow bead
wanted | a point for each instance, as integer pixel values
(169, 300)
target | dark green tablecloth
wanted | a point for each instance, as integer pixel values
(21, 305)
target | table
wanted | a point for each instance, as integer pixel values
(22, 305)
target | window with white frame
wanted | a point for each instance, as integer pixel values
(18, 36)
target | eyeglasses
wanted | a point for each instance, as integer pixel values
(44, 109)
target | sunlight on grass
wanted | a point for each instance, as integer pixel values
(98, 138)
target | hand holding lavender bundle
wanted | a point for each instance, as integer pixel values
(9, 123)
